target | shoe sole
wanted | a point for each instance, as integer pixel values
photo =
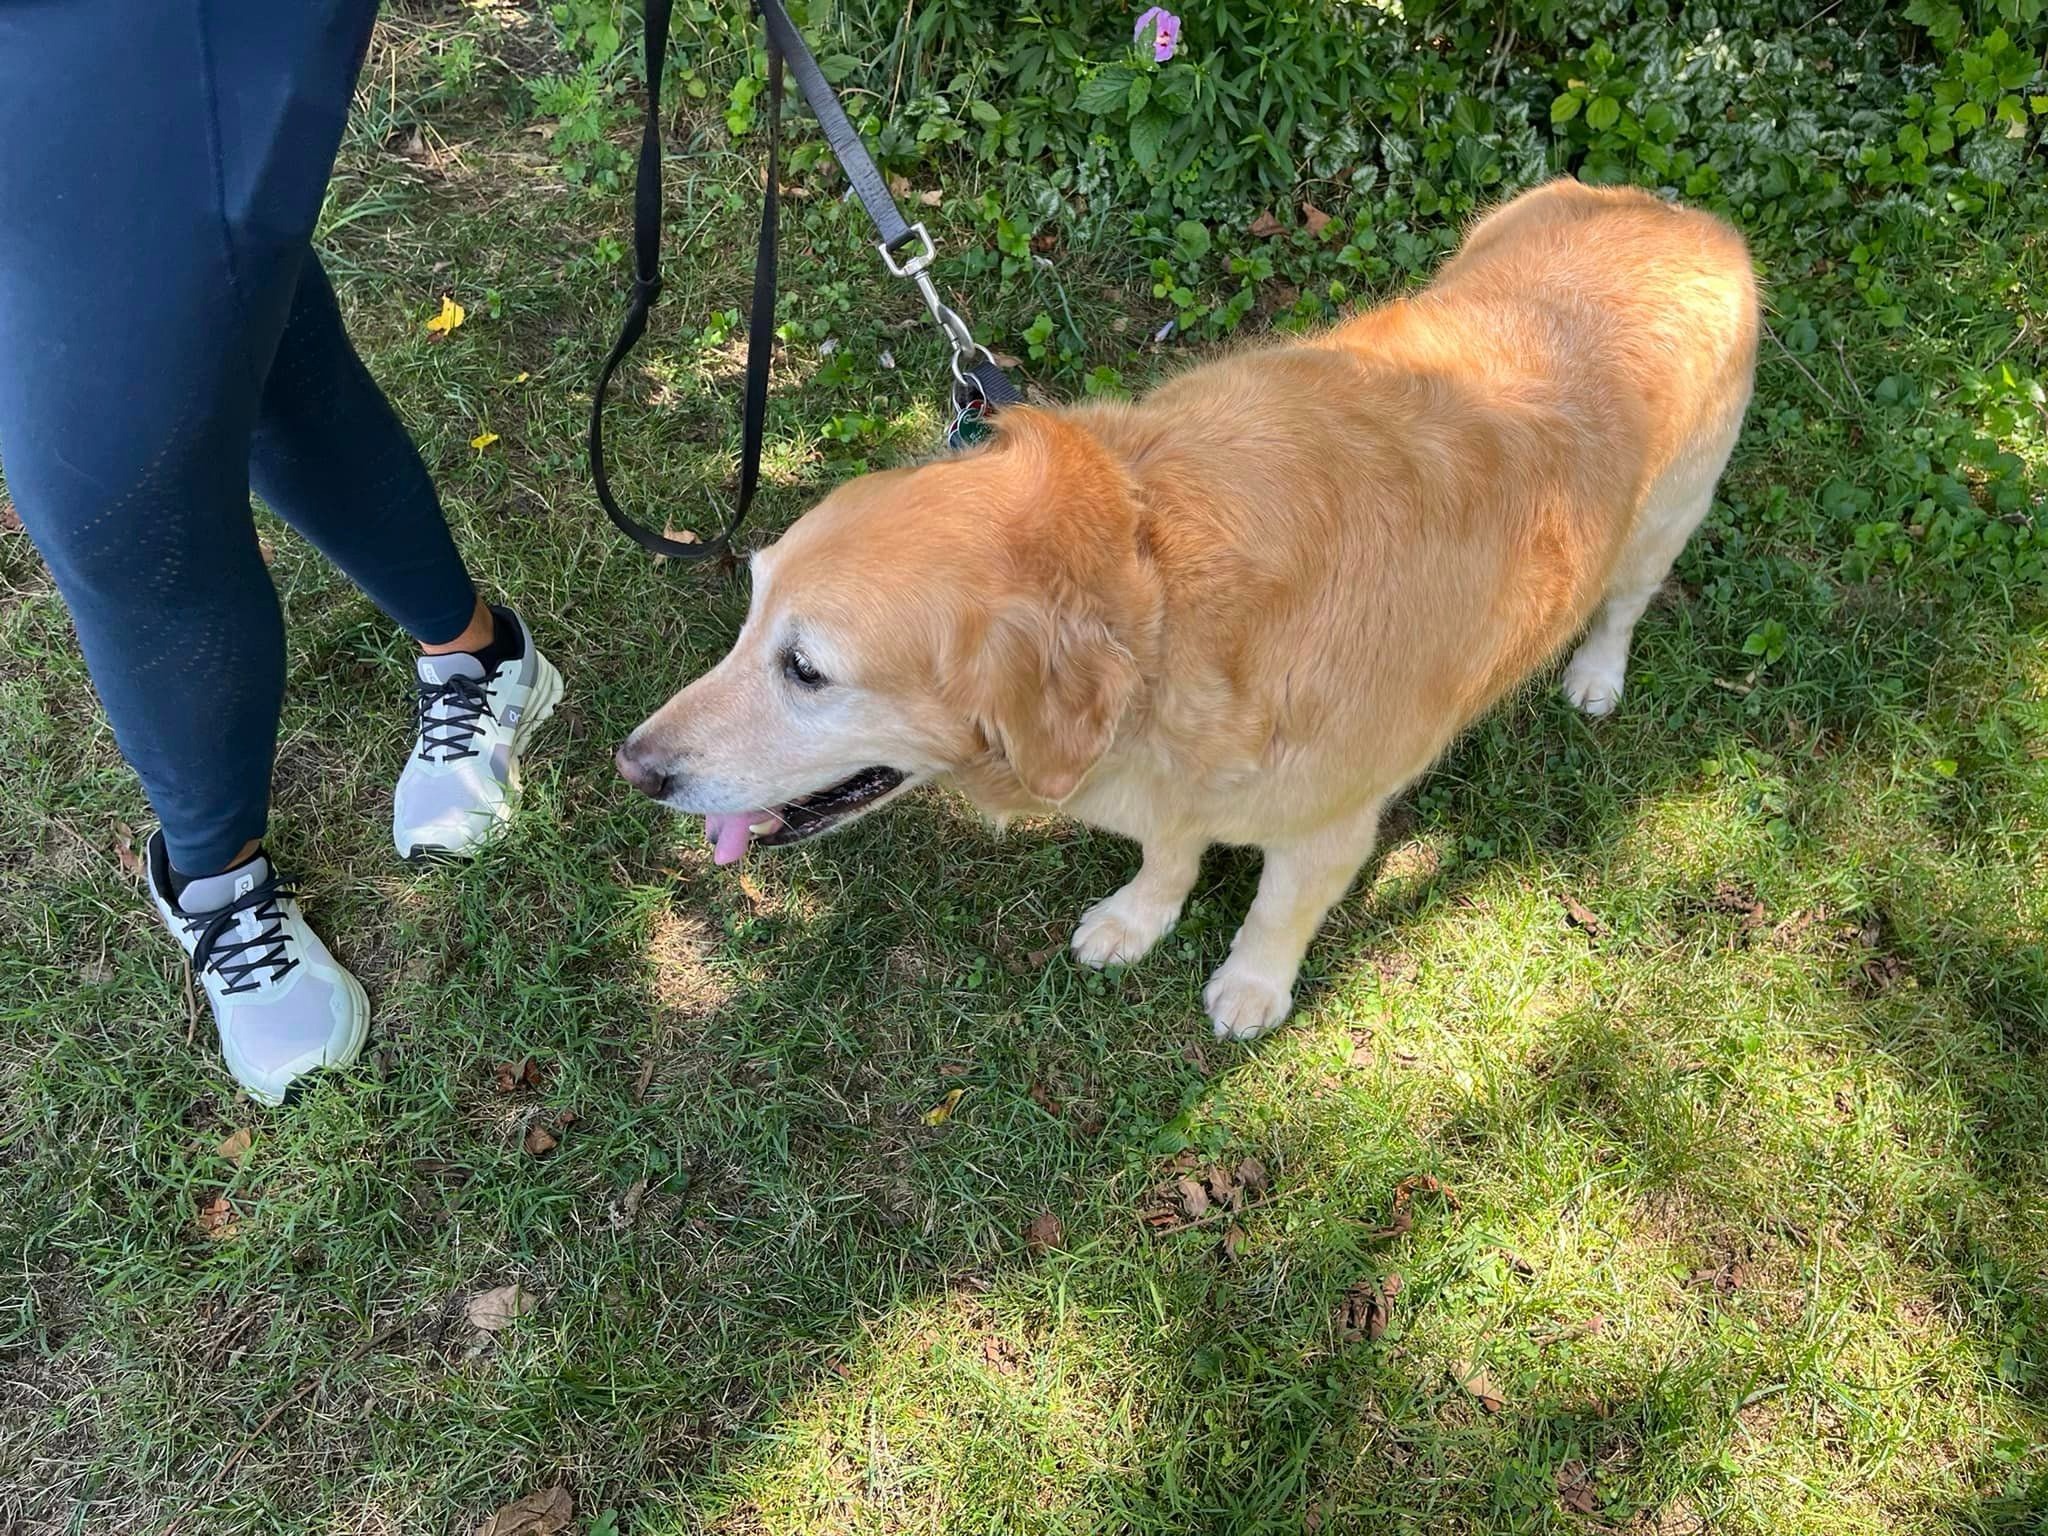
(547, 694)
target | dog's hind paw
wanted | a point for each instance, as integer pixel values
(1120, 929)
(1243, 1006)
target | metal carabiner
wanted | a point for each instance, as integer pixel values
(918, 269)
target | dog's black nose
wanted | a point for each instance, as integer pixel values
(649, 780)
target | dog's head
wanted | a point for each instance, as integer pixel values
(975, 617)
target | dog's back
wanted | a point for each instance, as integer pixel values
(1648, 298)
(1564, 395)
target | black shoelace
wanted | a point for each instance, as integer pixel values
(238, 956)
(450, 717)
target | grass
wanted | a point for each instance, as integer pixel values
(1747, 1164)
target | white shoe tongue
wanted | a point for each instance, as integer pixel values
(212, 892)
(439, 669)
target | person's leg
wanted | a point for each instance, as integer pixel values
(168, 162)
(331, 458)
(150, 242)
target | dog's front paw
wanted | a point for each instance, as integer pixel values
(1244, 1005)
(1593, 682)
(1120, 929)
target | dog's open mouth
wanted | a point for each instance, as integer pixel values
(731, 832)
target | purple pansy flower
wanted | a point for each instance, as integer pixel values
(1165, 28)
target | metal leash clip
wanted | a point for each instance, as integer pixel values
(917, 267)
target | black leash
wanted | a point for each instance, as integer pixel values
(979, 385)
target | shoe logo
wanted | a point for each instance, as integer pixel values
(245, 885)
(511, 715)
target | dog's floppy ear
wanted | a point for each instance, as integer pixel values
(1053, 684)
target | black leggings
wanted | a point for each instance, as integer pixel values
(167, 340)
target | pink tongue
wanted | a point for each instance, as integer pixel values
(730, 832)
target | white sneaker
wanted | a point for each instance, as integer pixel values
(461, 784)
(281, 1004)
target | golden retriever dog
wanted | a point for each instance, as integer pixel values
(1254, 606)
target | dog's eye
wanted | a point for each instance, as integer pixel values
(798, 668)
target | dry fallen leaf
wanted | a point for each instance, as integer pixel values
(1314, 218)
(124, 851)
(499, 1308)
(1005, 1358)
(218, 1219)
(452, 315)
(1725, 1279)
(10, 520)
(235, 1146)
(680, 535)
(1367, 1309)
(483, 440)
(536, 1514)
(1738, 901)
(1044, 1234)
(264, 551)
(1193, 1197)
(1575, 1488)
(1583, 917)
(1223, 1189)
(1233, 1242)
(1473, 1378)
(1403, 1217)
(1252, 1178)
(931, 198)
(942, 1111)
(539, 1142)
(1043, 1098)
(1265, 226)
(514, 1075)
